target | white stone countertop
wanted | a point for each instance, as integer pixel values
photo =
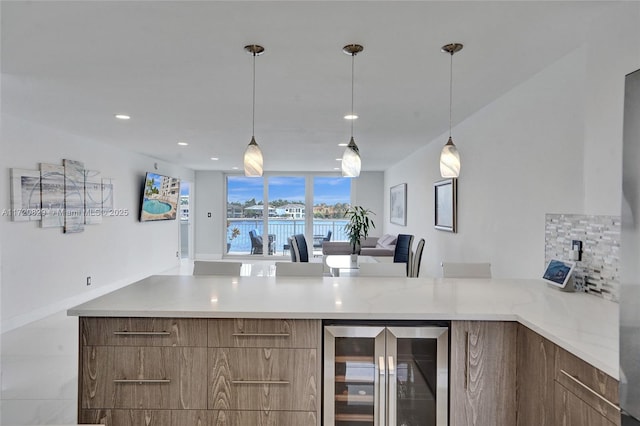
(584, 325)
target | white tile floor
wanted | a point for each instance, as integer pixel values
(39, 363)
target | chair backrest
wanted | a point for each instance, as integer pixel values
(291, 250)
(382, 270)
(328, 237)
(299, 269)
(417, 258)
(207, 267)
(300, 245)
(466, 270)
(402, 253)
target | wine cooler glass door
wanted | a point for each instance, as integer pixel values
(355, 376)
(417, 374)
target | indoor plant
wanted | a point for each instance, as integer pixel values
(357, 228)
(234, 232)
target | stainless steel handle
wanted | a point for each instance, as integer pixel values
(382, 399)
(392, 392)
(141, 381)
(261, 334)
(141, 333)
(260, 382)
(576, 380)
(467, 359)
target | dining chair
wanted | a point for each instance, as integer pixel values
(402, 252)
(292, 252)
(300, 246)
(382, 270)
(417, 258)
(208, 267)
(466, 270)
(299, 269)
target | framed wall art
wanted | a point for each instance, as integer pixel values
(398, 203)
(445, 202)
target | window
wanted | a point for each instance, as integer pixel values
(287, 200)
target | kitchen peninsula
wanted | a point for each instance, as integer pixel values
(193, 313)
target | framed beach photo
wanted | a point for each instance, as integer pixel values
(445, 202)
(398, 204)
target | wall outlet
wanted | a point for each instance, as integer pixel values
(178, 254)
(88, 280)
(576, 250)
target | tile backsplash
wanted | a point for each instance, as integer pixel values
(598, 272)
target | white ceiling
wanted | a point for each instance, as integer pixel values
(179, 69)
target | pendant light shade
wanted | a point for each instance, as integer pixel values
(253, 159)
(351, 158)
(253, 153)
(449, 156)
(449, 160)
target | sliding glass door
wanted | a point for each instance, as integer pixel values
(263, 212)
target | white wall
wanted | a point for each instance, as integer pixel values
(550, 145)
(613, 50)
(209, 198)
(45, 270)
(367, 190)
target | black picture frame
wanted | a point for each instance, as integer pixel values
(445, 204)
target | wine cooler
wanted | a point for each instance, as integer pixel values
(386, 375)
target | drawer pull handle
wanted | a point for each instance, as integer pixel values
(260, 382)
(261, 334)
(141, 381)
(576, 380)
(141, 333)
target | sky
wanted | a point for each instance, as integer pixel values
(328, 190)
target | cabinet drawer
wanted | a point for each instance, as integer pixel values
(591, 385)
(144, 377)
(146, 417)
(263, 418)
(143, 331)
(263, 379)
(573, 411)
(252, 333)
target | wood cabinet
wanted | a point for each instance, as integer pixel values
(535, 379)
(199, 372)
(483, 373)
(585, 396)
(556, 388)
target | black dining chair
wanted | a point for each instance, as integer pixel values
(417, 258)
(300, 246)
(402, 253)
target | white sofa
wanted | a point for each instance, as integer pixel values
(384, 245)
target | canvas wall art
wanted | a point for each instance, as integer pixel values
(92, 197)
(25, 195)
(73, 196)
(52, 186)
(398, 203)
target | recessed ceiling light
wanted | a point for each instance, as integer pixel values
(351, 117)
(215, 158)
(343, 144)
(338, 159)
(234, 168)
(336, 168)
(183, 143)
(122, 117)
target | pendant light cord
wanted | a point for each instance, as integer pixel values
(450, 91)
(353, 56)
(253, 119)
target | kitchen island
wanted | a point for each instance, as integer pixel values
(582, 325)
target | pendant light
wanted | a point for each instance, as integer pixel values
(351, 158)
(449, 157)
(253, 153)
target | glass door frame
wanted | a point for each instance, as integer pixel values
(385, 377)
(308, 221)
